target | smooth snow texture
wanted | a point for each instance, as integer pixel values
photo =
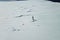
(16, 22)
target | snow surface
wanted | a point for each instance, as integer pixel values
(29, 20)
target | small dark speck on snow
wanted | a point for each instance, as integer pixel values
(33, 19)
(14, 30)
(20, 16)
(22, 24)
(18, 29)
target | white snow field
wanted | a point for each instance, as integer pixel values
(29, 20)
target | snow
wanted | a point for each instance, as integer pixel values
(16, 22)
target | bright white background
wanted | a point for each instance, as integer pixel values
(47, 26)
